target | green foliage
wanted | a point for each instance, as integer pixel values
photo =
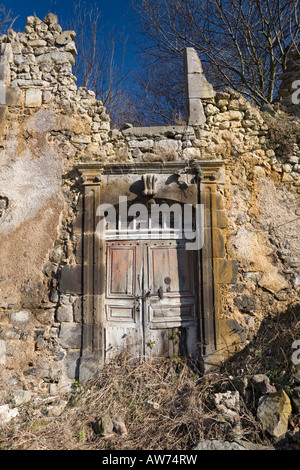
(81, 436)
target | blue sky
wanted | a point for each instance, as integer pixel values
(115, 12)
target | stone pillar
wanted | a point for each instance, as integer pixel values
(197, 88)
(9, 95)
(93, 285)
(289, 90)
(4, 70)
(216, 271)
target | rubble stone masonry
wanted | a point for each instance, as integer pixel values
(50, 128)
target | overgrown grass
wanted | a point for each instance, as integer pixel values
(183, 412)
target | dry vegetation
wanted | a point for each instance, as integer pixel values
(180, 421)
(283, 133)
(183, 412)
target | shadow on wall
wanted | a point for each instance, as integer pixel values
(271, 351)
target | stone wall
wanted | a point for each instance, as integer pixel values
(49, 126)
(47, 123)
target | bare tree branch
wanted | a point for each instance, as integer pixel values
(100, 64)
(242, 43)
(6, 19)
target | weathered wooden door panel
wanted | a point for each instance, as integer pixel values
(170, 323)
(128, 340)
(171, 267)
(121, 270)
(168, 342)
(151, 301)
(123, 323)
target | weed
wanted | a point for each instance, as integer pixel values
(288, 390)
(81, 436)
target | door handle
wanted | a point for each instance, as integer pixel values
(159, 293)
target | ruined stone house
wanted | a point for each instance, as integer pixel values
(71, 300)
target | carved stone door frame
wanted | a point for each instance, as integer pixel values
(99, 184)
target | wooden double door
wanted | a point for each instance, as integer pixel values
(151, 301)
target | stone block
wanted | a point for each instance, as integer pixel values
(220, 202)
(6, 53)
(261, 384)
(246, 303)
(37, 43)
(2, 352)
(71, 47)
(192, 62)
(70, 335)
(222, 218)
(196, 115)
(226, 401)
(81, 139)
(104, 126)
(14, 96)
(199, 87)
(217, 445)
(32, 21)
(65, 38)
(229, 116)
(104, 426)
(273, 412)
(5, 73)
(58, 58)
(214, 243)
(51, 18)
(169, 145)
(20, 318)
(89, 367)
(64, 313)
(78, 309)
(7, 414)
(226, 271)
(70, 280)
(21, 59)
(158, 130)
(218, 240)
(33, 97)
(144, 144)
(2, 93)
(72, 365)
(20, 397)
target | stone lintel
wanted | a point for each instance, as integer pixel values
(91, 172)
(157, 130)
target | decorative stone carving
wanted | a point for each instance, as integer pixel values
(149, 185)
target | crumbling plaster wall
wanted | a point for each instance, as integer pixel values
(47, 123)
(48, 126)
